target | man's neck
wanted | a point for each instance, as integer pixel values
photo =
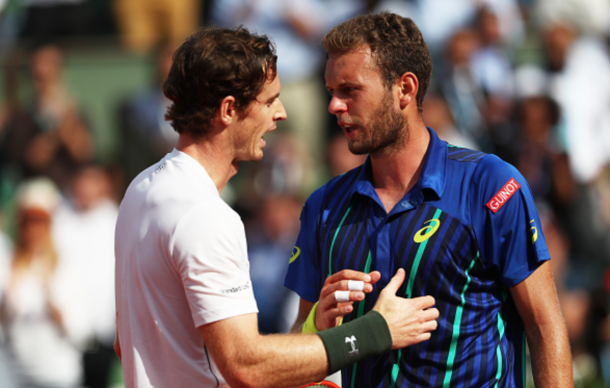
(395, 174)
(212, 154)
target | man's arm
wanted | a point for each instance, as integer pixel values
(246, 358)
(536, 300)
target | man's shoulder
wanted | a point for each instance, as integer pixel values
(336, 187)
(168, 190)
(344, 181)
(484, 166)
(464, 156)
(492, 168)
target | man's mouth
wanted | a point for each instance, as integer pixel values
(348, 127)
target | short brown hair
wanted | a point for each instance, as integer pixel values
(211, 64)
(396, 43)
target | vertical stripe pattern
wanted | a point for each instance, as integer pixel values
(479, 334)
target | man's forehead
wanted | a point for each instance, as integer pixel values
(359, 60)
(361, 51)
(270, 88)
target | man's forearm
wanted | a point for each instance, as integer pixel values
(551, 356)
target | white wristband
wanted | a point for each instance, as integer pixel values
(342, 296)
(355, 285)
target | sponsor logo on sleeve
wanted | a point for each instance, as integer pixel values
(233, 290)
(427, 231)
(534, 232)
(503, 195)
(295, 253)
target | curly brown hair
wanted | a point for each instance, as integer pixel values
(396, 43)
(210, 65)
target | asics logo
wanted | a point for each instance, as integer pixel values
(534, 232)
(295, 253)
(427, 231)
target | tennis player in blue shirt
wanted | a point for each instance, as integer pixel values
(462, 224)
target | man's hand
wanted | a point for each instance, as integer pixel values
(410, 320)
(329, 312)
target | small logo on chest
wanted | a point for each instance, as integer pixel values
(427, 231)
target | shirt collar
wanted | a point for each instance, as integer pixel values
(181, 157)
(435, 167)
(432, 176)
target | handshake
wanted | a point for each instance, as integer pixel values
(410, 321)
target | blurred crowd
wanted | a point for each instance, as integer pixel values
(528, 80)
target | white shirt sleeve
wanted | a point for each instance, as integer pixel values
(210, 254)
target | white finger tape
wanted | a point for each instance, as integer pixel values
(342, 296)
(355, 285)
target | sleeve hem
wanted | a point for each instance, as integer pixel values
(213, 316)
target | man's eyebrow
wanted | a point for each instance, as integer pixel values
(347, 84)
(273, 98)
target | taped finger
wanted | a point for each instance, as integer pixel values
(355, 285)
(342, 296)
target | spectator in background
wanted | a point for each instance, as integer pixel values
(578, 64)
(6, 254)
(34, 315)
(575, 73)
(491, 65)
(16, 128)
(578, 61)
(7, 375)
(84, 237)
(537, 144)
(491, 62)
(48, 19)
(281, 172)
(437, 115)
(145, 135)
(146, 24)
(541, 161)
(62, 141)
(440, 19)
(270, 237)
(462, 90)
(51, 138)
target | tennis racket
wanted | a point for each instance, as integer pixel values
(322, 383)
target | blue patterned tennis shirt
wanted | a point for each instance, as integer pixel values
(465, 233)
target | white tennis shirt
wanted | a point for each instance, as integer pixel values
(181, 262)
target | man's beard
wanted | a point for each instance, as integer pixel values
(384, 132)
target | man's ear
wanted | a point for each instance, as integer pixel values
(408, 85)
(227, 112)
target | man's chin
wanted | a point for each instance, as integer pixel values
(253, 158)
(358, 149)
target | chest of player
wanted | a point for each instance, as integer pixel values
(438, 252)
